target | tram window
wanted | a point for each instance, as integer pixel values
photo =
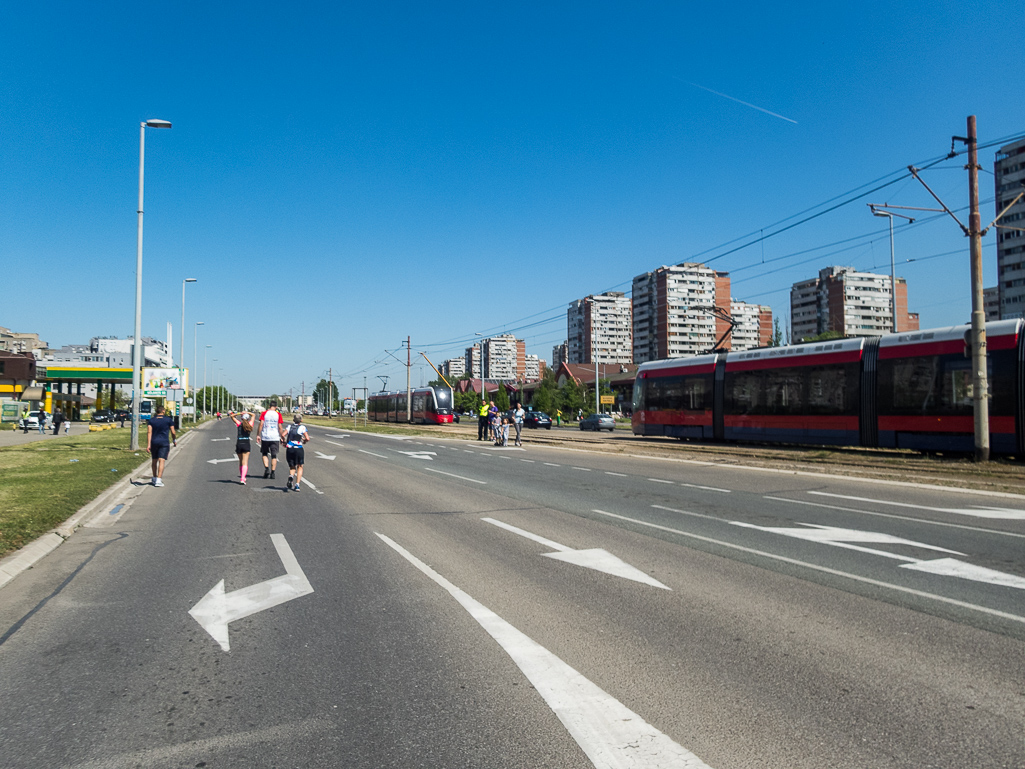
(783, 391)
(694, 394)
(743, 392)
(833, 389)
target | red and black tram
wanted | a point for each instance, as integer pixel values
(910, 390)
(431, 406)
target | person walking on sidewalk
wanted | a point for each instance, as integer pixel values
(482, 419)
(58, 419)
(160, 436)
(243, 444)
(295, 454)
(269, 438)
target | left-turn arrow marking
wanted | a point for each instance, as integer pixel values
(216, 609)
(218, 461)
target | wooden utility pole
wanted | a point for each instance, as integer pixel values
(409, 386)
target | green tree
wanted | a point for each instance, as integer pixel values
(502, 398)
(571, 398)
(326, 394)
(776, 340)
(546, 396)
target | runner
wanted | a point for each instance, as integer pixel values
(160, 434)
(244, 423)
(295, 454)
(269, 438)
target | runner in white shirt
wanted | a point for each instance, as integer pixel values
(269, 438)
(295, 454)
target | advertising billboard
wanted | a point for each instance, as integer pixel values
(157, 381)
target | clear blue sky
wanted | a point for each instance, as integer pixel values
(342, 175)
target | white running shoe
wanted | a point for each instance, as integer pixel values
(157, 482)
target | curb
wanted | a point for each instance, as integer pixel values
(28, 556)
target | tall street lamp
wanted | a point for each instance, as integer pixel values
(205, 393)
(195, 330)
(881, 211)
(137, 348)
(181, 335)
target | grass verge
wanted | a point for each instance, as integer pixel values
(44, 483)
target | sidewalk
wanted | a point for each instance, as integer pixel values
(17, 437)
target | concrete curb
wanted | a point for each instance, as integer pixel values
(28, 556)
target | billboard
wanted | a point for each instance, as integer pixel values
(157, 381)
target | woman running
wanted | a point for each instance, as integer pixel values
(244, 423)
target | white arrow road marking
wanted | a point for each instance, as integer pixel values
(325, 456)
(428, 455)
(978, 511)
(946, 567)
(830, 535)
(610, 734)
(214, 440)
(216, 609)
(808, 565)
(595, 558)
(218, 461)
(952, 568)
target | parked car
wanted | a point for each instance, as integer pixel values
(104, 415)
(33, 420)
(537, 419)
(598, 422)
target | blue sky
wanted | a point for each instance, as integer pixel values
(340, 176)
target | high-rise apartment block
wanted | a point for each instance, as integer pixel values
(453, 368)
(1009, 173)
(849, 302)
(560, 355)
(673, 314)
(600, 326)
(501, 357)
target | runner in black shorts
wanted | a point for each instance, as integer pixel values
(269, 436)
(244, 423)
(295, 454)
(160, 435)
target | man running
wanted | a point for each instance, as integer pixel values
(295, 454)
(159, 436)
(269, 438)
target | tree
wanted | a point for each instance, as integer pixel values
(546, 396)
(326, 394)
(825, 336)
(571, 398)
(777, 334)
(502, 398)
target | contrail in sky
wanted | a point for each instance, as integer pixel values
(731, 98)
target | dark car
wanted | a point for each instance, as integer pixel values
(598, 422)
(537, 419)
(104, 415)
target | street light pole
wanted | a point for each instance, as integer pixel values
(206, 395)
(137, 347)
(181, 334)
(195, 331)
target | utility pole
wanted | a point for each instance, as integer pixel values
(330, 394)
(977, 335)
(409, 387)
(980, 385)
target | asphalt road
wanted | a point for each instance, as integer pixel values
(474, 606)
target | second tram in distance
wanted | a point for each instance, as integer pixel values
(910, 390)
(431, 406)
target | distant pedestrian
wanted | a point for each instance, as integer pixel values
(243, 444)
(122, 415)
(58, 419)
(67, 426)
(502, 432)
(295, 454)
(493, 419)
(518, 416)
(24, 421)
(160, 436)
(482, 419)
(41, 422)
(558, 417)
(269, 438)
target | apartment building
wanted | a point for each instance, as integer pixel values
(754, 325)
(560, 355)
(501, 357)
(454, 368)
(600, 325)
(852, 303)
(671, 316)
(472, 361)
(1009, 173)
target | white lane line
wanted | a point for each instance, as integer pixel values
(658, 480)
(468, 451)
(705, 488)
(550, 543)
(584, 469)
(618, 475)
(531, 461)
(312, 486)
(964, 526)
(816, 567)
(552, 464)
(453, 475)
(610, 734)
(364, 451)
(977, 511)
(335, 444)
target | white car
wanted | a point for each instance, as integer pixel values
(33, 420)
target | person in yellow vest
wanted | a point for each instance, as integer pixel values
(482, 419)
(558, 417)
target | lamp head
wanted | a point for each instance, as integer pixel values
(200, 323)
(153, 123)
(190, 280)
